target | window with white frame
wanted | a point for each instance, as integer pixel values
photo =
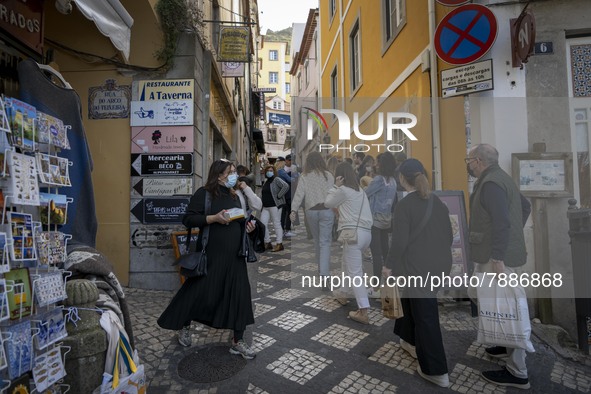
(307, 72)
(273, 55)
(355, 56)
(271, 135)
(287, 88)
(332, 8)
(334, 88)
(273, 77)
(277, 104)
(394, 18)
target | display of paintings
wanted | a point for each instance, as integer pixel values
(52, 328)
(23, 242)
(19, 386)
(51, 248)
(49, 368)
(4, 261)
(24, 187)
(19, 348)
(53, 170)
(20, 300)
(53, 208)
(50, 288)
(22, 118)
(52, 131)
(4, 313)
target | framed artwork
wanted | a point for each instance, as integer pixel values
(53, 170)
(454, 200)
(53, 208)
(19, 349)
(4, 261)
(49, 288)
(23, 242)
(52, 328)
(22, 118)
(51, 248)
(20, 301)
(543, 175)
(24, 186)
(4, 312)
(49, 368)
(51, 130)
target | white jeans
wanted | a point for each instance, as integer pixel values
(275, 214)
(353, 265)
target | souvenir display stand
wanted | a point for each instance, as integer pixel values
(32, 249)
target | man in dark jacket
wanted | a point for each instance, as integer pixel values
(497, 243)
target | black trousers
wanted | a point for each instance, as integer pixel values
(420, 327)
(379, 249)
(285, 220)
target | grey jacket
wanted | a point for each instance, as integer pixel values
(278, 190)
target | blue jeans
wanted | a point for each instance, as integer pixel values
(320, 223)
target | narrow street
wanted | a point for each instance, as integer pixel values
(306, 344)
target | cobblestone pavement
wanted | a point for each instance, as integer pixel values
(306, 343)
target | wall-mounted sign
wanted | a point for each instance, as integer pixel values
(160, 139)
(279, 118)
(475, 77)
(162, 113)
(233, 45)
(109, 101)
(465, 34)
(161, 187)
(543, 175)
(523, 37)
(544, 48)
(160, 210)
(264, 90)
(232, 69)
(162, 164)
(24, 21)
(166, 89)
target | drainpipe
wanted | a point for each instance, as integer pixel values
(435, 131)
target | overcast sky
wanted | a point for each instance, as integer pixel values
(280, 14)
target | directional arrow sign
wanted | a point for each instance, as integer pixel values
(160, 210)
(160, 187)
(162, 164)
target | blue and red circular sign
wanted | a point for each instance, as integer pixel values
(465, 34)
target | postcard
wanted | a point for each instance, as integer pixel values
(51, 248)
(53, 208)
(4, 262)
(50, 288)
(19, 349)
(24, 185)
(49, 368)
(4, 312)
(20, 301)
(52, 131)
(22, 118)
(21, 232)
(52, 328)
(53, 170)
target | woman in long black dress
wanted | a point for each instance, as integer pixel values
(221, 299)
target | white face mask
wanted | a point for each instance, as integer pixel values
(368, 168)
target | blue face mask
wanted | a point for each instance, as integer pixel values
(231, 182)
(270, 174)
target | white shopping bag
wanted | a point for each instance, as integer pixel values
(503, 316)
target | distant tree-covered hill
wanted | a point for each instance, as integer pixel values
(280, 35)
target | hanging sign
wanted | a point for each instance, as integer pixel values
(160, 139)
(109, 101)
(162, 113)
(465, 34)
(232, 69)
(162, 164)
(233, 44)
(160, 210)
(523, 38)
(161, 187)
(166, 89)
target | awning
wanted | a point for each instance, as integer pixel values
(112, 20)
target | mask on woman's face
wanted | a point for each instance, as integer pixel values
(269, 174)
(368, 168)
(231, 181)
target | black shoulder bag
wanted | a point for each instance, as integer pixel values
(195, 263)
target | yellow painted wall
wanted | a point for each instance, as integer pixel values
(277, 66)
(109, 140)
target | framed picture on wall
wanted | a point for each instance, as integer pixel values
(543, 175)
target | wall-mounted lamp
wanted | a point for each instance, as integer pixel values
(64, 6)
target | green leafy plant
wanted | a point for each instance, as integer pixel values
(175, 17)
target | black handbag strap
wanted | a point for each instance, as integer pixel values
(205, 233)
(423, 223)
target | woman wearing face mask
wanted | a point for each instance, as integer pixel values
(367, 167)
(221, 299)
(273, 196)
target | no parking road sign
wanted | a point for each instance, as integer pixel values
(465, 34)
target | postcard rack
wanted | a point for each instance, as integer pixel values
(32, 248)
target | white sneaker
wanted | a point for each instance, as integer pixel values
(440, 380)
(407, 347)
(289, 234)
(184, 336)
(371, 293)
